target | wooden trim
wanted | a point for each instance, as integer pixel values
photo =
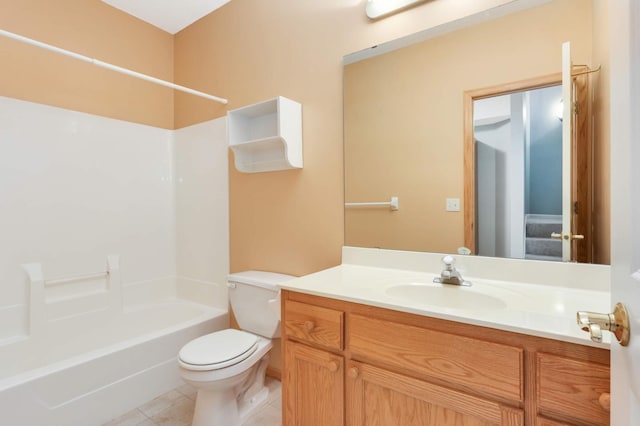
(512, 416)
(469, 201)
(531, 403)
(516, 86)
(581, 175)
(469, 143)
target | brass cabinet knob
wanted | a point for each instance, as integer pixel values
(309, 325)
(353, 372)
(605, 401)
(332, 366)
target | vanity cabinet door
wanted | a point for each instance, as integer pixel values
(313, 387)
(570, 389)
(380, 397)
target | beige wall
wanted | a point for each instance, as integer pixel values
(90, 28)
(404, 119)
(252, 50)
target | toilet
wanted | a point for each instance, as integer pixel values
(228, 367)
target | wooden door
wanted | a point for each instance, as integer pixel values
(313, 391)
(377, 397)
(582, 170)
(576, 162)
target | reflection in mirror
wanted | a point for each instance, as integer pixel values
(518, 174)
(404, 124)
(514, 141)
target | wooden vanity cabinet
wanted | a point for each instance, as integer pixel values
(314, 373)
(315, 386)
(376, 396)
(352, 364)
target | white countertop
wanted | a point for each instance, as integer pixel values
(535, 309)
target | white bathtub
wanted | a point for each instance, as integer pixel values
(87, 369)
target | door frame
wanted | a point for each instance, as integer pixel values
(469, 200)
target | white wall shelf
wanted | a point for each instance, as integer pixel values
(266, 136)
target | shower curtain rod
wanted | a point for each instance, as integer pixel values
(111, 66)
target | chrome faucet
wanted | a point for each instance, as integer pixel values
(450, 275)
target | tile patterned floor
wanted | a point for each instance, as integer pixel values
(175, 408)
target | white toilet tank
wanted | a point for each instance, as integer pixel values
(250, 293)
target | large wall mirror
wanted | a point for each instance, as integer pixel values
(463, 127)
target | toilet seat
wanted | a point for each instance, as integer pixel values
(218, 350)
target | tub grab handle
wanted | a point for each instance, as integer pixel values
(70, 278)
(37, 297)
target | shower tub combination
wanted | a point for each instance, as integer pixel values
(96, 349)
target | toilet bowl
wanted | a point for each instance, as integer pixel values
(228, 367)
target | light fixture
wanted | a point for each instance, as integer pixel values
(379, 8)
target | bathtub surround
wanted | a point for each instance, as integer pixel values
(89, 368)
(200, 161)
(61, 298)
(77, 188)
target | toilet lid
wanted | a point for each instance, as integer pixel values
(218, 350)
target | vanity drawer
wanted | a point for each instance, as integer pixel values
(314, 324)
(571, 388)
(484, 367)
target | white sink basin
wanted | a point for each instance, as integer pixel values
(445, 296)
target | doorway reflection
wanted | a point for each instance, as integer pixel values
(518, 139)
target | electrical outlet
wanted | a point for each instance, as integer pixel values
(453, 204)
